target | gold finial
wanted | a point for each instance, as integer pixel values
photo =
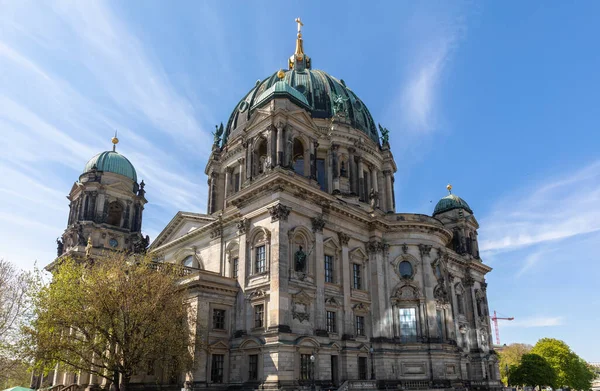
(281, 74)
(449, 188)
(299, 49)
(115, 141)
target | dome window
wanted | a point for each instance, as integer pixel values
(190, 261)
(115, 211)
(406, 269)
(243, 106)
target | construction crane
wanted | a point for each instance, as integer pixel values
(495, 319)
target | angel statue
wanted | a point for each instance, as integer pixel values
(217, 134)
(385, 135)
(339, 106)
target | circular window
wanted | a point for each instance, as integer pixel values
(406, 269)
(357, 105)
(243, 106)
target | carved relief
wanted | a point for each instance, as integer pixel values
(361, 307)
(301, 302)
(407, 292)
(318, 223)
(279, 212)
(344, 239)
(243, 225)
(425, 249)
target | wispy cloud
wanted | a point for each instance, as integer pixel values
(560, 208)
(536, 321)
(72, 73)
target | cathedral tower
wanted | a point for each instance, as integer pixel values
(105, 209)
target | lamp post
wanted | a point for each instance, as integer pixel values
(312, 370)
(372, 367)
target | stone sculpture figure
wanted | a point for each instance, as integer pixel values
(385, 135)
(300, 260)
(217, 134)
(59, 247)
(373, 198)
(339, 106)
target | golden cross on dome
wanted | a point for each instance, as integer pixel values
(300, 24)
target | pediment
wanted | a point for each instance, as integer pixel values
(219, 345)
(359, 253)
(182, 224)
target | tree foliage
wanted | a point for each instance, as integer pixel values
(14, 314)
(115, 315)
(511, 356)
(533, 370)
(571, 370)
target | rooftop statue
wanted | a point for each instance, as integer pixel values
(385, 135)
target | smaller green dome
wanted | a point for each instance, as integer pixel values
(111, 161)
(450, 202)
(280, 89)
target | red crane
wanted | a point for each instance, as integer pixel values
(495, 320)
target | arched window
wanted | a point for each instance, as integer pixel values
(115, 211)
(190, 261)
(298, 157)
(260, 153)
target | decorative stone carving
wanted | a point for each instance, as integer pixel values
(242, 226)
(483, 286)
(407, 292)
(332, 302)
(216, 233)
(425, 249)
(300, 260)
(374, 247)
(344, 239)
(301, 302)
(318, 223)
(257, 294)
(279, 212)
(468, 280)
(361, 307)
(141, 245)
(441, 294)
(404, 248)
(80, 236)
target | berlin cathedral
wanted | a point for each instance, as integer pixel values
(302, 274)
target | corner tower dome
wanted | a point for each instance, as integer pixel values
(451, 201)
(111, 161)
(321, 94)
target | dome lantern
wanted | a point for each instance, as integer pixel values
(450, 202)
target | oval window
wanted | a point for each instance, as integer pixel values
(406, 269)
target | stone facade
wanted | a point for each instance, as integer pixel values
(304, 274)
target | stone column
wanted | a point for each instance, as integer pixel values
(388, 190)
(374, 179)
(248, 145)
(240, 318)
(377, 289)
(127, 214)
(210, 196)
(329, 170)
(279, 303)
(92, 214)
(270, 148)
(280, 145)
(351, 170)
(382, 201)
(242, 173)
(319, 273)
(361, 180)
(335, 167)
(346, 281)
(313, 159)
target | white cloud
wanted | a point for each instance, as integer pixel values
(536, 321)
(563, 207)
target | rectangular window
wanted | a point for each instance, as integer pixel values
(356, 281)
(362, 368)
(322, 174)
(360, 325)
(261, 258)
(253, 367)
(216, 373)
(331, 322)
(219, 319)
(306, 367)
(259, 315)
(236, 266)
(408, 324)
(439, 318)
(328, 268)
(460, 304)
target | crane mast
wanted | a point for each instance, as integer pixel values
(495, 319)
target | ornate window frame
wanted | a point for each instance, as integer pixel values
(302, 236)
(259, 236)
(232, 251)
(332, 248)
(359, 256)
(405, 258)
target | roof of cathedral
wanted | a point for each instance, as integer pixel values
(451, 201)
(112, 161)
(320, 93)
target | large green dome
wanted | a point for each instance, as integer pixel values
(111, 161)
(316, 90)
(450, 202)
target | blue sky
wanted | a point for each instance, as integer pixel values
(499, 98)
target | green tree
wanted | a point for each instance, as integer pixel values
(571, 370)
(533, 370)
(14, 314)
(111, 317)
(511, 356)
